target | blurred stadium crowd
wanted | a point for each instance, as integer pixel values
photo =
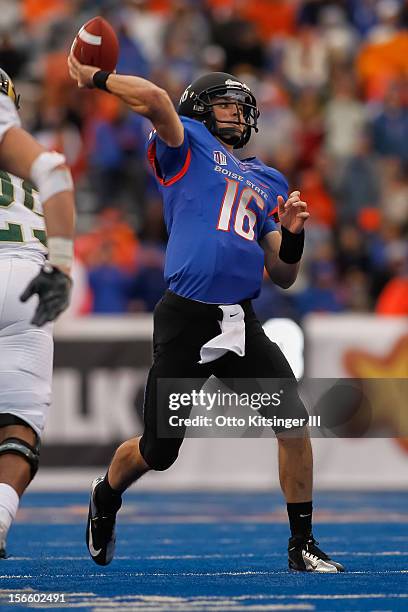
(331, 82)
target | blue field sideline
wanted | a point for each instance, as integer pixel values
(209, 552)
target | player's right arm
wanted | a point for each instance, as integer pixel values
(141, 95)
(23, 156)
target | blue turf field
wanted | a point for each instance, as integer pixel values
(212, 552)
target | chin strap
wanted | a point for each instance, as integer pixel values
(229, 136)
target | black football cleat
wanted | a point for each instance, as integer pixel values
(100, 530)
(305, 556)
(3, 536)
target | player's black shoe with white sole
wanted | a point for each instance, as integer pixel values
(100, 530)
(3, 536)
(305, 556)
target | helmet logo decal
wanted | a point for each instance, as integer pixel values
(185, 94)
(7, 88)
(236, 84)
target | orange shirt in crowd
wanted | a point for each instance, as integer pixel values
(378, 64)
(393, 298)
(57, 82)
(113, 230)
(272, 17)
(320, 204)
(160, 5)
(35, 11)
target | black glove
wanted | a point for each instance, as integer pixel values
(53, 288)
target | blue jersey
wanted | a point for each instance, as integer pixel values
(216, 209)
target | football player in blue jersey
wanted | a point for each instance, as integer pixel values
(222, 218)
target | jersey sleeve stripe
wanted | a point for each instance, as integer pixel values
(273, 212)
(151, 155)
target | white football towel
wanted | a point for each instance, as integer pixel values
(231, 338)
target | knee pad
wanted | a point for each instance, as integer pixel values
(17, 446)
(159, 454)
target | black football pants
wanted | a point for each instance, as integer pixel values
(181, 328)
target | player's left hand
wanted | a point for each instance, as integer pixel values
(292, 213)
(81, 73)
(53, 288)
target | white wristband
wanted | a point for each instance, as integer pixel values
(60, 251)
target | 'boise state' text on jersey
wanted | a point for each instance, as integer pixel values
(216, 209)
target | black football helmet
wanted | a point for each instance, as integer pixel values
(197, 102)
(7, 87)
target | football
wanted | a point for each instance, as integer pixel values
(96, 44)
